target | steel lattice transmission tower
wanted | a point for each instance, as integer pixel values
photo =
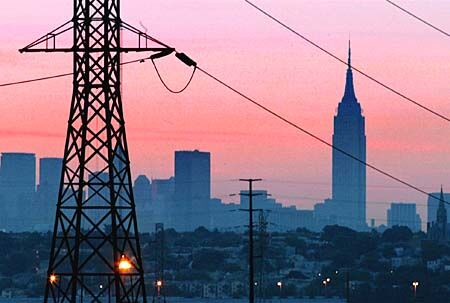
(95, 251)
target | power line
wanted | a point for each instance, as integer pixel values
(317, 138)
(60, 75)
(418, 18)
(417, 103)
(378, 186)
(35, 79)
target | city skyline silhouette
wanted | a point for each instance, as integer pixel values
(207, 116)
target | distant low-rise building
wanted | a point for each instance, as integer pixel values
(404, 214)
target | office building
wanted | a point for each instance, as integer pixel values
(404, 214)
(349, 176)
(142, 190)
(192, 189)
(47, 193)
(17, 190)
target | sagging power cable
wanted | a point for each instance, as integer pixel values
(142, 60)
(183, 58)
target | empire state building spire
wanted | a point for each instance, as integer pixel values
(349, 55)
(349, 94)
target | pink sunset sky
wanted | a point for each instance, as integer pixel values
(236, 43)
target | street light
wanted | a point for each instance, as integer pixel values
(280, 285)
(325, 284)
(415, 284)
(53, 279)
(159, 284)
(124, 264)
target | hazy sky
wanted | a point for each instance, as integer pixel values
(257, 56)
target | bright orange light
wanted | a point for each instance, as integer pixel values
(159, 283)
(124, 264)
(52, 278)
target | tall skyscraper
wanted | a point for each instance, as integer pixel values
(192, 188)
(17, 190)
(349, 176)
(47, 193)
(404, 214)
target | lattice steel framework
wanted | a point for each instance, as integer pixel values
(95, 254)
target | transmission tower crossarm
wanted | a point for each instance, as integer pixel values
(49, 40)
(47, 43)
(142, 35)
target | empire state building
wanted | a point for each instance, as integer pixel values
(349, 176)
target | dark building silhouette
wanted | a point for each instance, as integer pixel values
(404, 214)
(282, 217)
(17, 190)
(433, 205)
(142, 191)
(47, 193)
(349, 176)
(324, 214)
(142, 198)
(163, 200)
(439, 229)
(192, 189)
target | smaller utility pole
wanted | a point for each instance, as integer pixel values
(251, 279)
(263, 242)
(159, 265)
(347, 286)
